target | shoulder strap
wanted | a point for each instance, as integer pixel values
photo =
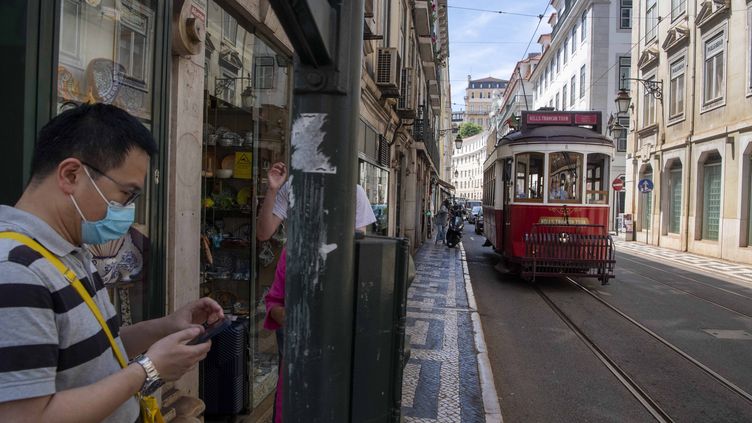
(73, 280)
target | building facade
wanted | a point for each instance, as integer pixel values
(479, 97)
(583, 61)
(517, 97)
(468, 166)
(694, 140)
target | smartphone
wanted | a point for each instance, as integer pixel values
(211, 331)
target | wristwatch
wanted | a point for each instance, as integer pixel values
(153, 381)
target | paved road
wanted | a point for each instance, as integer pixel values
(544, 372)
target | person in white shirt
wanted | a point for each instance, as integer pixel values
(273, 212)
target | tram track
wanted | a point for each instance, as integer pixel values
(704, 284)
(643, 397)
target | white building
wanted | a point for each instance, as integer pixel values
(479, 97)
(517, 97)
(467, 163)
(583, 61)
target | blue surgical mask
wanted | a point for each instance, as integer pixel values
(115, 224)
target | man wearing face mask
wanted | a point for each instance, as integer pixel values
(57, 363)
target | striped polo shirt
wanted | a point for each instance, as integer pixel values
(50, 340)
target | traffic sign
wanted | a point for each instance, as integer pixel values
(617, 184)
(645, 185)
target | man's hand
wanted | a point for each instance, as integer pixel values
(276, 176)
(173, 358)
(196, 313)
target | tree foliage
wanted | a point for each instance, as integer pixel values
(468, 129)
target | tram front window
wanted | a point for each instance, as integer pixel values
(565, 170)
(529, 168)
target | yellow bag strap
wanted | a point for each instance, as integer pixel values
(73, 279)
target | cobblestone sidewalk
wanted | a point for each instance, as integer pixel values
(443, 381)
(737, 272)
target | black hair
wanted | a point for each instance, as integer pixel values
(100, 135)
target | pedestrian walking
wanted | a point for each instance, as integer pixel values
(441, 221)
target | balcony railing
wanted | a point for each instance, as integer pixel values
(424, 133)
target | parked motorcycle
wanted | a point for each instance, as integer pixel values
(454, 233)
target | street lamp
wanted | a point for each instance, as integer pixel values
(622, 101)
(456, 174)
(652, 86)
(615, 128)
(458, 142)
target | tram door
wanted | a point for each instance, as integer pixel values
(506, 227)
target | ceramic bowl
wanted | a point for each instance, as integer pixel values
(224, 173)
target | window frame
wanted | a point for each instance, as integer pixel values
(583, 76)
(651, 15)
(624, 62)
(680, 73)
(623, 7)
(674, 225)
(583, 26)
(675, 5)
(720, 99)
(572, 90)
(579, 179)
(715, 161)
(649, 119)
(541, 178)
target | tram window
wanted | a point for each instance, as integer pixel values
(564, 173)
(596, 190)
(529, 170)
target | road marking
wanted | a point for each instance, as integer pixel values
(729, 334)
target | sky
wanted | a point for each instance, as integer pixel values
(485, 44)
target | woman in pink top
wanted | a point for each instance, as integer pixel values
(275, 320)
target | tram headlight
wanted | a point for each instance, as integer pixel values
(564, 237)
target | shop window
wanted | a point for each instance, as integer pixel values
(675, 197)
(646, 201)
(375, 181)
(246, 130)
(564, 175)
(529, 171)
(711, 198)
(106, 56)
(596, 184)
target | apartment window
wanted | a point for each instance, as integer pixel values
(572, 91)
(558, 63)
(621, 143)
(676, 90)
(624, 72)
(646, 200)
(557, 102)
(711, 198)
(529, 169)
(229, 28)
(651, 20)
(582, 81)
(583, 26)
(263, 72)
(648, 106)
(625, 15)
(714, 69)
(564, 97)
(574, 39)
(678, 7)
(675, 197)
(564, 51)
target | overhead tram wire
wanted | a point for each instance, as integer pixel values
(499, 12)
(532, 37)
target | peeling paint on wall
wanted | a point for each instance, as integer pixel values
(307, 136)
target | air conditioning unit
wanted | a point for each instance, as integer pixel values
(406, 103)
(387, 71)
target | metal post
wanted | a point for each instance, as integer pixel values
(327, 36)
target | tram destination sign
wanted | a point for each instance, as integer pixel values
(545, 117)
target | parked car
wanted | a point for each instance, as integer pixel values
(473, 215)
(479, 223)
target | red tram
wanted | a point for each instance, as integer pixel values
(545, 196)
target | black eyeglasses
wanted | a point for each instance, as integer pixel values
(133, 193)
